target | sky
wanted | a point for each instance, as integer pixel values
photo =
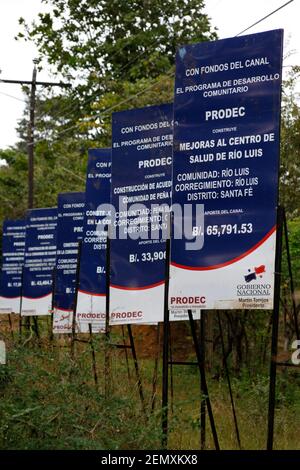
(229, 16)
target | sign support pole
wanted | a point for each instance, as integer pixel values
(137, 371)
(73, 338)
(36, 326)
(286, 236)
(28, 323)
(21, 302)
(275, 326)
(165, 365)
(126, 354)
(203, 404)
(228, 382)
(203, 380)
(107, 367)
(155, 371)
(51, 335)
(10, 326)
(171, 370)
(93, 356)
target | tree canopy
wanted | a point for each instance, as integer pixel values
(117, 55)
(290, 145)
(101, 40)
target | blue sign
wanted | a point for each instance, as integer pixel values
(226, 158)
(92, 284)
(39, 261)
(141, 193)
(70, 214)
(13, 245)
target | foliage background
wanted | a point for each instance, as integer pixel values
(120, 55)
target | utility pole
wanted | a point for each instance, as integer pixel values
(30, 140)
(30, 136)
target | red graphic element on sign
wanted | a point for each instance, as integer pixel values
(251, 276)
(260, 269)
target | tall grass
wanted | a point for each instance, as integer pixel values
(49, 401)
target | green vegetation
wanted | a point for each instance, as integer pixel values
(49, 401)
(117, 55)
(290, 146)
(294, 246)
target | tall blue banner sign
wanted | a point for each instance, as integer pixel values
(13, 245)
(141, 191)
(70, 214)
(226, 160)
(92, 283)
(39, 261)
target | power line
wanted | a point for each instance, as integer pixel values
(96, 93)
(124, 67)
(29, 82)
(72, 173)
(151, 86)
(106, 111)
(89, 99)
(265, 17)
(121, 69)
(12, 96)
(30, 136)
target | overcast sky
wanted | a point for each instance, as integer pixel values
(229, 16)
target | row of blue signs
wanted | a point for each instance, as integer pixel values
(221, 175)
(40, 254)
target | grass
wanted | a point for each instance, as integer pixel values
(49, 401)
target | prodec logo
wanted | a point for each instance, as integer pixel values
(194, 300)
(134, 314)
(92, 316)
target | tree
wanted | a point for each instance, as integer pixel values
(98, 40)
(120, 55)
(50, 177)
(13, 184)
(111, 47)
(290, 146)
